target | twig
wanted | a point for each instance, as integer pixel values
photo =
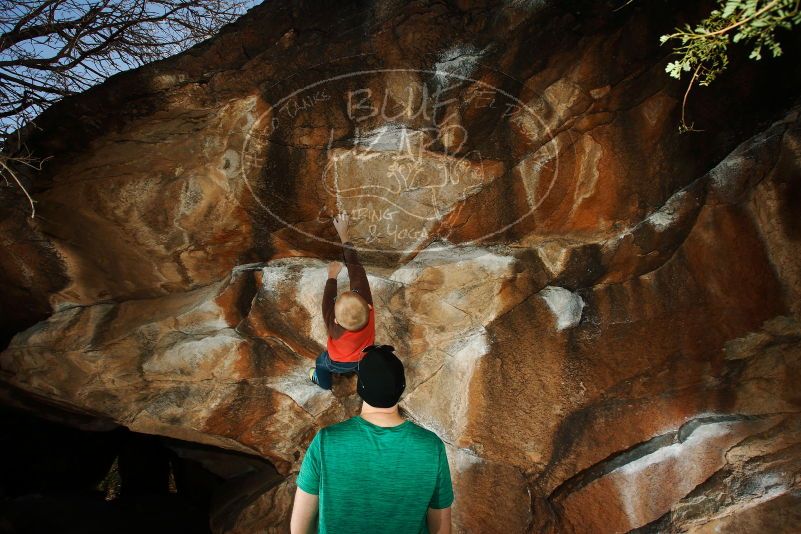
(767, 7)
(14, 176)
(622, 6)
(684, 126)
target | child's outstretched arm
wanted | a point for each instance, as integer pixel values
(330, 294)
(356, 273)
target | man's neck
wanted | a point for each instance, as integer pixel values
(381, 416)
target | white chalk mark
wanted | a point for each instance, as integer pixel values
(565, 305)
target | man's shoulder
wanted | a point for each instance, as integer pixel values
(338, 428)
(351, 426)
(424, 434)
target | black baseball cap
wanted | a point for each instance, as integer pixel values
(381, 378)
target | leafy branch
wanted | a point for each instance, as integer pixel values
(703, 49)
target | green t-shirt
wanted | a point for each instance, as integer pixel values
(376, 479)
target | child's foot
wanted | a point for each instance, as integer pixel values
(313, 376)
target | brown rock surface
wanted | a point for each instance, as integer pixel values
(598, 315)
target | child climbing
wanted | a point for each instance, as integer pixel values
(349, 318)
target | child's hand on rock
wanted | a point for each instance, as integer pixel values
(333, 269)
(341, 224)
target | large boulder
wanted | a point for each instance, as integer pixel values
(601, 317)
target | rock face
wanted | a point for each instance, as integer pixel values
(599, 316)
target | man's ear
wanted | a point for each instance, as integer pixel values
(336, 322)
(370, 306)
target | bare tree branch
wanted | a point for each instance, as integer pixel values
(50, 49)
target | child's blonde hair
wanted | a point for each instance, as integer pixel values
(351, 311)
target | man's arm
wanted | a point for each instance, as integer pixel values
(356, 273)
(438, 520)
(438, 516)
(304, 513)
(306, 501)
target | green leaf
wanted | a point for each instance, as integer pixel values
(673, 69)
(729, 9)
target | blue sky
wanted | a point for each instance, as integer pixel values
(90, 73)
